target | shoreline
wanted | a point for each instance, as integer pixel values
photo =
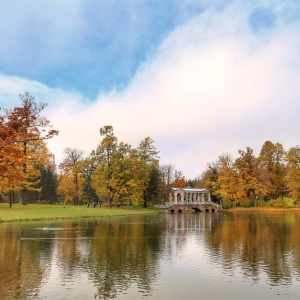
(48, 212)
(262, 209)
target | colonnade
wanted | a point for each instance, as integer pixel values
(179, 195)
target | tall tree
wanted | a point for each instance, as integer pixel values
(228, 180)
(148, 157)
(88, 166)
(272, 169)
(70, 171)
(210, 180)
(167, 172)
(292, 177)
(247, 166)
(105, 176)
(23, 128)
(154, 188)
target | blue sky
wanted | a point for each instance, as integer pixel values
(200, 77)
(83, 45)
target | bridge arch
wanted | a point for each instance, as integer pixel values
(196, 209)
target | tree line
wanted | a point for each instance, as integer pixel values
(113, 173)
(272, 178)
(116, 173)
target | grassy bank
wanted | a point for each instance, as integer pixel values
(36, 212)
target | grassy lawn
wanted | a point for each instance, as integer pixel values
(40, 212)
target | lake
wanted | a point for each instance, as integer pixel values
(187, 256)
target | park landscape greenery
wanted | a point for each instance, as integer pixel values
(115, 173)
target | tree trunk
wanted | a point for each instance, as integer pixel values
(24, 196)
(24, 190)
(254, 199)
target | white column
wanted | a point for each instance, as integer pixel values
(170, 197)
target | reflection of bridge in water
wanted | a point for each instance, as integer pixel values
(188, 207)
(183, 200)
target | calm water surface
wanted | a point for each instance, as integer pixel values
(196, 256)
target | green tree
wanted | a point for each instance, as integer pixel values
(209, 179)
(87, 167)
(148, 159)
(154, 188)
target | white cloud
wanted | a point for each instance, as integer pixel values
(213, 86)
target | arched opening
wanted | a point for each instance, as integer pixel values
(172, 211)
(179, 211)
(213, 210)
(196, 210)
(207, 210)
(179, 197)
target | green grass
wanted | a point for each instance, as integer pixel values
(41, 212)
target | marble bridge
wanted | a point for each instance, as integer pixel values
(182, 200)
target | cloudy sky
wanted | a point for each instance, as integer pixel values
(200, 77)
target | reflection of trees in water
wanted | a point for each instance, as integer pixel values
(123, 254)
(115, 254)
(24, 261)
(257, 243)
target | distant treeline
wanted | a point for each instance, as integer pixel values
(272, 178)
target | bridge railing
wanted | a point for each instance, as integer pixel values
(186, 203)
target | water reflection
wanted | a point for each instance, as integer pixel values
(257, 243)
(164, 257)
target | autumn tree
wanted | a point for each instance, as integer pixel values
(70, 175)
(22, 134)
(272, 169)
(105, 177)
(247, 166)
(292, 177)
(228, 182)
(179, 180)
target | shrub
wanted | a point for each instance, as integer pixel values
(247, 202)
(281, 202)
(226, 203)
(288, 202)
